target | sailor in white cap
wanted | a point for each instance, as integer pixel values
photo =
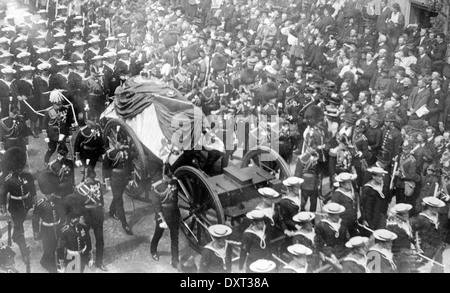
(356, 260)
(109, 60)
(8, 98)
(331, 235)
(123, 65)
(42, 56)
(380, 257)
(301, 259)
(26, 92)
(216, 255)
(255, 240)
(427, 229)
(374, 203)
(111, 45)
(78, 51)
(41, 82)
(263, 266)
(345, 196)
(4, 45)
(290, 204)
(57, 53)
(305, 232)
(268, 204)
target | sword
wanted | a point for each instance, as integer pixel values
(9, 233)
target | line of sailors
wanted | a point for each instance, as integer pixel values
(323, 241)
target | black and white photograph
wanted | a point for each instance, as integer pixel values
(224, 137)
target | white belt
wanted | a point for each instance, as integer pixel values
(51, 224)
(75, 252)
(20, 197)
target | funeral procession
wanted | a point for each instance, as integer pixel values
(224, 136)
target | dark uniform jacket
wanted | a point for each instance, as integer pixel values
(288, 209)
(210, 261)
(13, 132)
(349, 216)
(56, 122)
(329, 241)
(392, 141)
(21, 189)
(374, 205)
(46, 217)
(254, 247)
(64, 171)
(436, 105)
(88, 142)
(352, 264)
(429, 232)
(74, 238)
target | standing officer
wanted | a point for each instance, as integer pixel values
(167, 214)
(392, 138)
(74, 240)
(63, 169)
(117, 170)
(90, 191)
(47, 222)
(13, 131)
(22, 192)
(89, 145)
(56, 125)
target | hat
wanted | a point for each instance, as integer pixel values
(109, 55)
(299, 249)
(42, 11)
(5, 55)
(415, 68)
(44, 66)
(21, 39)
(219, 62)
(268, 192)
(15, 158)
(170, 39)
(73, 207)
(111, 38)
(78, 44)
(302, 217)
(192, 52)
(357, 241)
(314, 112)
(123, 51)
(8, 29)
(46, 182)
(121, 35)
(292, 181)
(333, 208)
(94, 25)
(94, 41)
(78, 62)
(58, 47)
(376, 170)
(334, 100)
(268, 91)
(63, 63)
(391, 117)
(40, 37)
(262, 266)
(384, 235)
(219, 230)
(345, 176)
(27, 68)
(97, 57)
(247, 76)
(3, 40)
(62, 149)
(331, 111)
(256, 215)
(433, 202)
(350, 119)
(61, 7)
(23, 55)
(55, 96)
(8, 70)
(78, 17)
(401, 208)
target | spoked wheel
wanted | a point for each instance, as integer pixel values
(268, 160)
(199, 205)
(115, 128)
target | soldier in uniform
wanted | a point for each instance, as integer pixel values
(255, 240)
(117, 172)
(122, 66)
(8, 91)
(216, 255)
(356, 260)
(167, 215)
(109, 65)
(47, 221)
(90, 191)
(56, 125)
(89, 145)
(345, 195)
(381, 253)
(63, 169)
(374, 203)
(427, 231)
(13, 131)
(22, 193)
(331, 235)
(75, 239)
(392, 138)
(27, 92)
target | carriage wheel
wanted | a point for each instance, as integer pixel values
(112, 128)
(268, 160)
(199, 205)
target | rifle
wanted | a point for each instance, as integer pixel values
(391, 185)
(9, 233)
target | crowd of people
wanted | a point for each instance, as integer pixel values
(361, 98)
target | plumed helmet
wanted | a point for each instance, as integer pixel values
(73, 206)
(15, 159)
(47, 182)
(56, 96)
(219, 62)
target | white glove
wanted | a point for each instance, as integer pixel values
(61, 137)
(78, 163)
(47, 140)
(2, 151)
(91, 263)
(163, 225)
